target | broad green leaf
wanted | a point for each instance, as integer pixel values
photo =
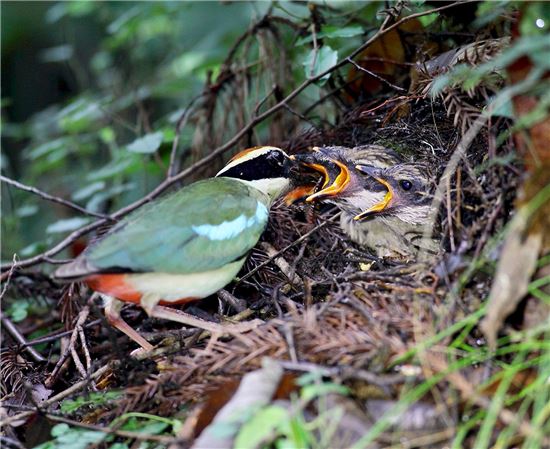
(146, 144)
(46, 148)
(503, 109)
(80, 115)
(33, 248)
(331, 32)
(262, 425)
(66, 437)
(428, 19)
(94, 399)
(107, 135)
(87, 191)
(60, 429)
(96, 200)
(26, 210)
(310, 392)
(19, 310)
(66, 225)
(57, 54)
(320, 60)
(113, 168)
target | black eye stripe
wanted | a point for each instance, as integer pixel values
(261, 167)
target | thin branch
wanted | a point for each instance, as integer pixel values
(374, 75)
(48, 197)
(9, 326)
(286, 248)
(55, 336)
(168, 182)
(59, 396)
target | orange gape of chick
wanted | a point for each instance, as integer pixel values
(116, 285)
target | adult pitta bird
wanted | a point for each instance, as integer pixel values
(186, 245)
(385, 202)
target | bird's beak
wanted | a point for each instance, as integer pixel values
(382, 205)
(335, 176)
(336, 187)
(298, 193)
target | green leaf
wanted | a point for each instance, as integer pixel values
(47, 148)
(332, 32)
(336, 31)
(262, 426)
(503, 109)
(107, 135)
(428, 19)
(19, 310)
(80, 115)
(87, 191)
(57, 54)
(310, 392)
(146, 144)
(26, 210)
(320, 60)
(66, 437)
(60, 429)
(95, 202)
(33, 248)
(69, 224)
(146, 423)
(94, 399)
(112, 169)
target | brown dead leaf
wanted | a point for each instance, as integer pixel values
(515, 268)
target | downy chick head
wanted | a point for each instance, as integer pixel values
(407, 192)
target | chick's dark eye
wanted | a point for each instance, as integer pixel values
(405, 185)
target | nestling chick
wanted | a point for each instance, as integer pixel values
(395, 226)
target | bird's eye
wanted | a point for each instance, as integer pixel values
(405, 184)
(277, 156)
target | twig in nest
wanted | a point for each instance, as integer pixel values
(286, 248)
(374, 75)
(58, 397)
(238, 304)
(9, 326)
(70, 349)
(283, 265)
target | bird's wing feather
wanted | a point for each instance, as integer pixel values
(198, 228)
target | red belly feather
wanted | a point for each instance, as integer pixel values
(117, 285)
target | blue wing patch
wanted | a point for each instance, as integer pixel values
(229, 229)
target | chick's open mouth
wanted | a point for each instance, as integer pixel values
(335, 177)
(380, 206)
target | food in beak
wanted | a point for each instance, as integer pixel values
(382, 205)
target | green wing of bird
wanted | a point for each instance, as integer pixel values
(198, 228)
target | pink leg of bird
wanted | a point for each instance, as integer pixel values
(112, 313)
(153, 309)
